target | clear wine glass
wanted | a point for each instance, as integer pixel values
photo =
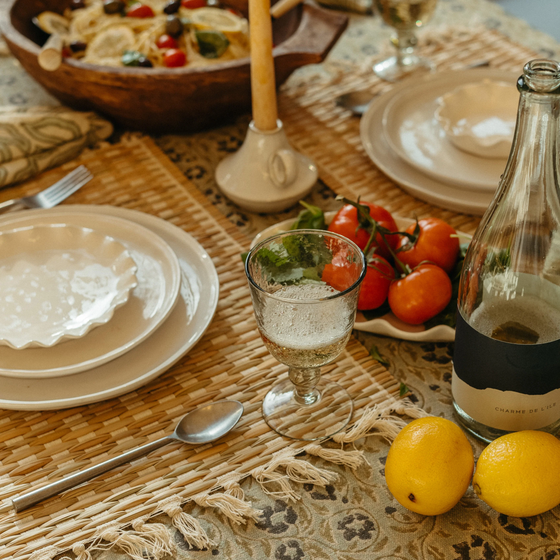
(304, 287)
(405, 16)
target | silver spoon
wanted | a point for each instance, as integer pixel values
(202, 425)
(355, 101)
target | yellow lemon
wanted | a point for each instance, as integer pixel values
(429, 466)
(517, 474)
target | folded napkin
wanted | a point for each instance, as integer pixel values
(38, 138)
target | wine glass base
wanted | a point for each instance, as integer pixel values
(329, 414)
(392, 69)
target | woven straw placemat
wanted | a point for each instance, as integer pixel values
(330, 135)
(229, 362)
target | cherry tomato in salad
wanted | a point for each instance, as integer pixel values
(139, 10)
(174, 58)
(166, 42)
(375, 285)
(340, 273)
(193, 4)
(420, 295)
(437, 243)
(345, 222)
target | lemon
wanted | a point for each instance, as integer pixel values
(517, 474)
(429, 465)
(51, 22)
(216, 18)
(110, 43)
(234, 28)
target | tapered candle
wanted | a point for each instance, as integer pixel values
(263, 83)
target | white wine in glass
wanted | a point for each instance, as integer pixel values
(304, 287)
(405, 16)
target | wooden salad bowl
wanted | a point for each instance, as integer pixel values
(165, 100)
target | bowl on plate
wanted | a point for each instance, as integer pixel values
(59, 282)
(169, 99)
(479, 118)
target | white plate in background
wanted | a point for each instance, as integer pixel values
(408, 177)
(150, 303)
(412, 130)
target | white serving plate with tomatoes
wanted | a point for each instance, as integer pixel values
(386, 325)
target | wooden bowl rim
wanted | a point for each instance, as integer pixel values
(309, 9)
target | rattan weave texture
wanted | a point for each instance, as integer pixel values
(229, 362)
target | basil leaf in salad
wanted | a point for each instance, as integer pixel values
(403, 389)
(310, 218)
(374, 353)
(294, 259)
(132, 58)
(211, 44)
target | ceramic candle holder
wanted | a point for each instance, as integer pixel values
(266, 174)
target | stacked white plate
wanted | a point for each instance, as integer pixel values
(403, 137)
(164, 292)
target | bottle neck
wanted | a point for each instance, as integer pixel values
(534, 156)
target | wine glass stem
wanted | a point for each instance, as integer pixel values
(405, 42)
(305, 380)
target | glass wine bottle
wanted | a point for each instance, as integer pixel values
(506, 365)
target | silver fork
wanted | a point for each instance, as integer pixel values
(54, 194)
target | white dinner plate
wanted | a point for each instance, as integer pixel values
(179, 333)
(409, 178)
(59, 281)
(387, 325)
(413, 131)
(159, 279)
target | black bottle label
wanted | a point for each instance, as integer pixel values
(505, 385)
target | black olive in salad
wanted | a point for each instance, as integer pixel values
(113, 6)
(174, 26)
(78, 46)
(172, 7)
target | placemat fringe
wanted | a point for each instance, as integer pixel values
(379, 421)
(80, 551)
(155, 539)
(47, 553)
(230, 483)
(236, 509)
(296, 470)
(352, 459)
(157, 534)
(134, 543)
(192, 531)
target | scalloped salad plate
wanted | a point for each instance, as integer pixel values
(59, 282)
(387, 325)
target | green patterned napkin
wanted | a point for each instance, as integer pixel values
(38, 138)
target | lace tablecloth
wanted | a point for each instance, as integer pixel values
(357, 518)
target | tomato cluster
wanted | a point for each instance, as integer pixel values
(409, 270)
